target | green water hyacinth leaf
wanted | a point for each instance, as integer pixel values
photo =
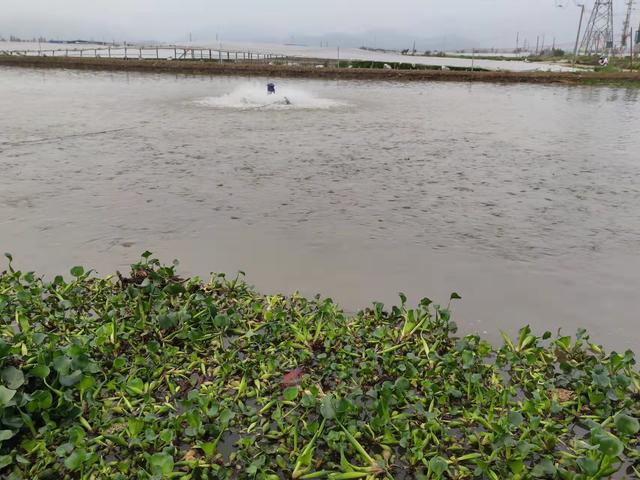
(564, 343)
(438, 465)
(135, 386)
(607, 443)
(6, 435)
(161, 464)
(6, 395)
(327, 408)
(544, 468)
(169, 321)
(72, 379)
(256, 465)
(4, 348)
(515, 418)
(5, 461)
(41, 400)
(12, 377)
(467, 359)
(119, 363)
(601, 377)
(626, 424)
(516, 466)
(226, 416)
(62, 364)
(40, 371)
(208, 448)
(135, 426)
(291, 393)
(86, 383)
(74, 461)
(77, 271)
(589, 465)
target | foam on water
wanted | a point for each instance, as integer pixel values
(255, 97)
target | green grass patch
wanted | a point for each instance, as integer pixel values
(156, 376)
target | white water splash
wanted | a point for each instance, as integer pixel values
(255, 97)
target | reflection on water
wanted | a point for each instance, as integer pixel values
(523, 198)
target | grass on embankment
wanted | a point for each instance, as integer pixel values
(627, 79)
(616, 63)
(155, 376)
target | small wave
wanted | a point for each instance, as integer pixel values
(255, 97)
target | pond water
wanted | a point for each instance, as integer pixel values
(524, 199)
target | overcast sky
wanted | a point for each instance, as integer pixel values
(486, 22)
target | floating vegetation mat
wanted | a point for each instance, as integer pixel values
(155, 376)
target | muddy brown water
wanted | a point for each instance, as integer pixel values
(523, 198)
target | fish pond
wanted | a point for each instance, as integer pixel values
(523, 198)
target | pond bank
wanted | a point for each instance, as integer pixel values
(253, 69)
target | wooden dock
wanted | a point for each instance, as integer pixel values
(164, 52)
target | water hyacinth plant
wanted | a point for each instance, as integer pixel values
(155, 376)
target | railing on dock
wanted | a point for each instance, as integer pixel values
(127, 52)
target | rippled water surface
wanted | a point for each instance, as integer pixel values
(524, 199)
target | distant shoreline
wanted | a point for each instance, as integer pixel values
(631, 79)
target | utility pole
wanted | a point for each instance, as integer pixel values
(517, 41)
(537, 44)
(631, 51)
(575, 50)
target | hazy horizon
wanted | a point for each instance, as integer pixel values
(433, 24)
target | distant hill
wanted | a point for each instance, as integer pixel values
(382, 39)
(386, 40)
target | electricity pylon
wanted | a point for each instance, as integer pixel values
(598, 37)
